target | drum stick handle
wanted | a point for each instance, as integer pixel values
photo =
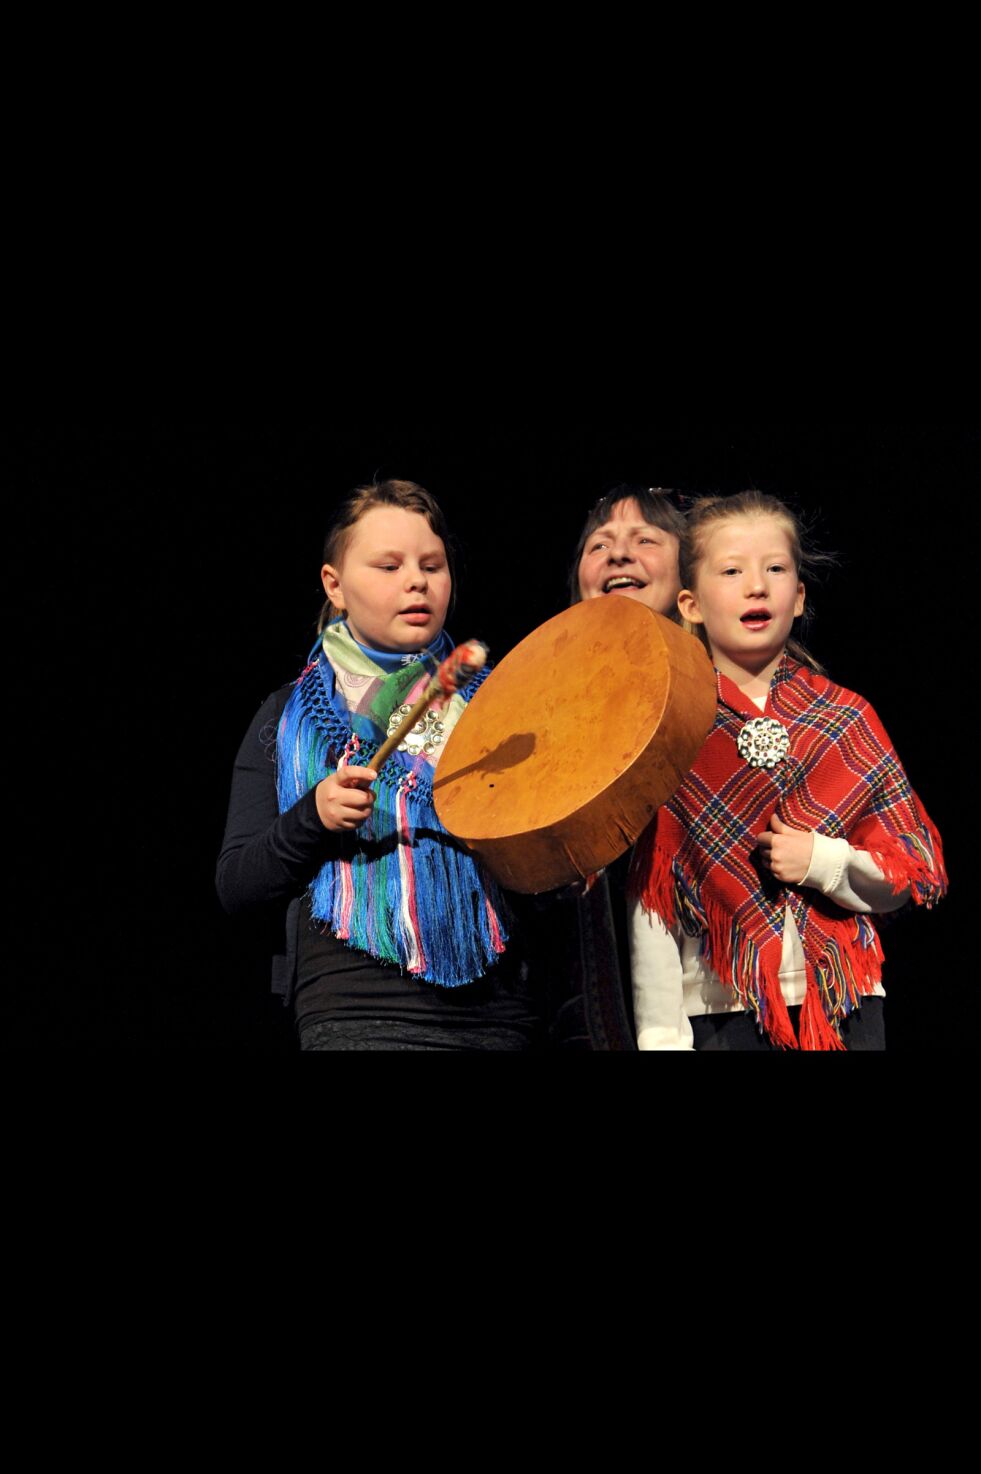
(454, 672)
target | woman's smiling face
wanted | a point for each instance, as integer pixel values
(629, 557)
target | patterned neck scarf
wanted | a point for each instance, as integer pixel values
(697, 862)
(400, 888)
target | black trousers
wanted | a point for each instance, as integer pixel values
(862, 1030)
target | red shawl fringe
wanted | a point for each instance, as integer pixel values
(908, 861)
(848, 968)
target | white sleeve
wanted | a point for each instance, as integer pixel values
(656, 973)
(850, 877)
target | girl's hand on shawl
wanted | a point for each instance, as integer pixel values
(344, 800)
(786, 852)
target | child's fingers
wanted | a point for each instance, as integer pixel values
(348, 815)
(788, 855)
(344, 800)
(355, 777)
(352, 818)
(357, 799)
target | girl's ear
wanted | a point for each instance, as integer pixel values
(801, 599)
(688, 607)
(330, 578)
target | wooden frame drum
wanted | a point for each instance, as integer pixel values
(573, 742)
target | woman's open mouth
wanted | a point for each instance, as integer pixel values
(620, 582)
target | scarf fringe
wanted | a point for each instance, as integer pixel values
(405, 892)
(913, 860)
(848, 969)
(815, 1031)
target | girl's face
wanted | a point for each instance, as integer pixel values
(631, 558)
(393, 580)
(747, 593)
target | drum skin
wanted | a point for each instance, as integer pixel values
(573, 742)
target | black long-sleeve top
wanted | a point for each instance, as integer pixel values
(268, 859)
(267, 863)
(267, 856)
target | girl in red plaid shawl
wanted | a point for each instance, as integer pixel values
(753, 888)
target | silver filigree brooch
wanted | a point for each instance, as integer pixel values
(425, 736)
(763, 742)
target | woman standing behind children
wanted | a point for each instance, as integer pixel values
(387, 933)
(753, 887)
(628, 549)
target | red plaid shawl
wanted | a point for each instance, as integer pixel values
(697, 863)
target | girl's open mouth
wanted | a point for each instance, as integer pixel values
(756, 619)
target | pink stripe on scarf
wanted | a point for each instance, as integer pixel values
(347, 901)
(496, 942)
(418, 963)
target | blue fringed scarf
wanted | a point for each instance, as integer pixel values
(401, 888)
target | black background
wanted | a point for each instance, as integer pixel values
(184, 587)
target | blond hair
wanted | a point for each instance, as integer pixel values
(709, 512)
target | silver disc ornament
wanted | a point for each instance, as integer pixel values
(763, 742)
(425, 736)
